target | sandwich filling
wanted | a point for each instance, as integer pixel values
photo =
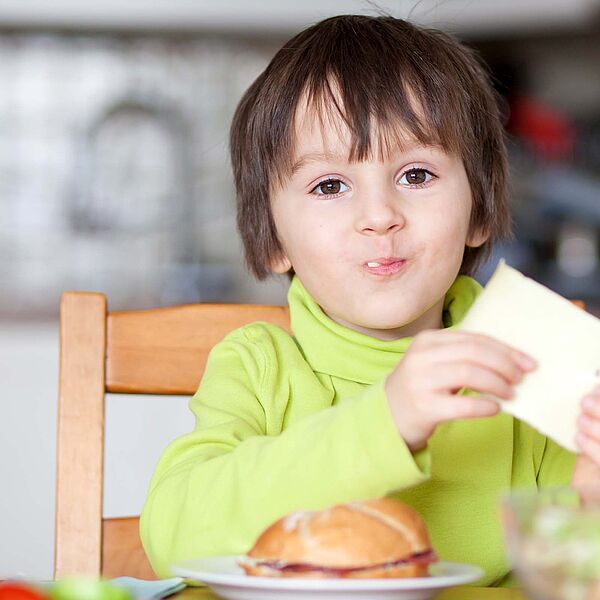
(419, 558)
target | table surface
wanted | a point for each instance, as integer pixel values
(455, 593)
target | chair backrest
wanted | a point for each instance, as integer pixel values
(160, 351)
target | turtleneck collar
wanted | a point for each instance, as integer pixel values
(333, 349)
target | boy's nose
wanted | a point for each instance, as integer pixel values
(380, 216)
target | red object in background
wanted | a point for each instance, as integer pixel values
(545, 129)
(18, 591)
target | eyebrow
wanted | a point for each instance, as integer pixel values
(315, 157)
(306, 159)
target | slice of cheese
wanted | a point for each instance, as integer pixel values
(563, 339)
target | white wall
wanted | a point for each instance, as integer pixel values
(276, 16)
(138, 429)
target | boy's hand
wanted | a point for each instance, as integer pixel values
(421, 390)
(587, 467)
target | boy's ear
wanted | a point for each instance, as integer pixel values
(477, 237)
(280, 264)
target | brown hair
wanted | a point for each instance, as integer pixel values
(406, 78)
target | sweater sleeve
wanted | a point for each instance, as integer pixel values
(217, 488)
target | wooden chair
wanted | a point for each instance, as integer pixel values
(161, 351)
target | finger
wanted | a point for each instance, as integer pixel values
(476, 343)
(590, 447)
(590, 426)
(466, 407)
(452, 376)
(488, 356)
(590, 404)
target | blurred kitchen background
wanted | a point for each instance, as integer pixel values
(114, 177)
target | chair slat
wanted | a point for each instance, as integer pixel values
(164, 351)
(80, 434)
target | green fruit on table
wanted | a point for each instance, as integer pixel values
(87, 589)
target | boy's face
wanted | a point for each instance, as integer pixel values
(377, 243)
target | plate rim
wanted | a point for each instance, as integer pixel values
(239, 580)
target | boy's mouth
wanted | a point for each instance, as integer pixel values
(385, 265)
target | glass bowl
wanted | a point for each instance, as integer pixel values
(553, 541)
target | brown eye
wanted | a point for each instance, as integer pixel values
(330, 187)
(416, 177)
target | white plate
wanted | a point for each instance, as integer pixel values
(228, 580)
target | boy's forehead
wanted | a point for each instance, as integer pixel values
(316, 134)
(324, 135)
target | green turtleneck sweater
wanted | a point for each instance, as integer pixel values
(286, 423)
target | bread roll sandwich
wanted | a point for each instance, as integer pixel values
(370, 539)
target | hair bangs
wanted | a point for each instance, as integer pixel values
(378, 125)
(375, 95)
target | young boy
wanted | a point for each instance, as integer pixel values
(370, 164)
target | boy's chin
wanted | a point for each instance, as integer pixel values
(384, 324)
